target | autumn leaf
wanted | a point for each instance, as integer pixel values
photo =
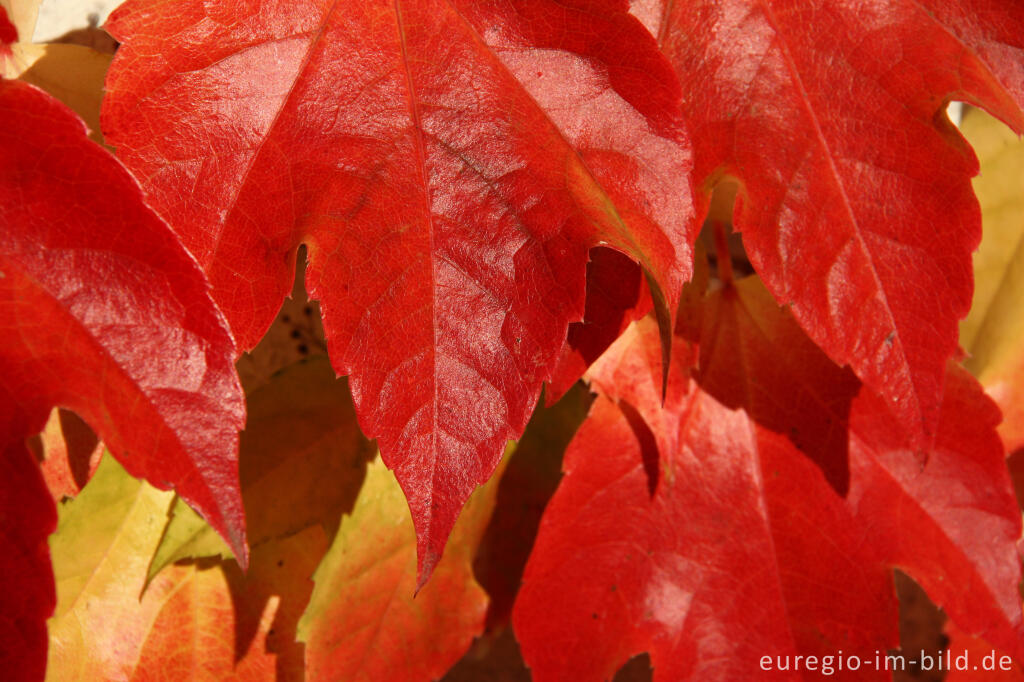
(71, 73)
(856, 205)
(68, 453)
(366, 620)
(301, 464)
(992, 333)
(678, 521)
(100, 549)
(741, 551)
(197, 622)
(448, 166)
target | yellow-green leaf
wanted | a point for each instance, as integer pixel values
(100, 550)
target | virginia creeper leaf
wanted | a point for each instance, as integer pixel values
(950, 522)
(448, 166)
(742, 550)
(993, 334)
(104, 312)
(856, 207)
(755, 357)
(101, 547)
(301, 464)
(366, 621)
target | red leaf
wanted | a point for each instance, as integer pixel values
(857, 208)
(448, 165)
(742, 550)
(103, 312)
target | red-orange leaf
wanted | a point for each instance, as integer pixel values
(857, 208)
(448, 165)
(102, 311)
(743, 550)
(735, 547)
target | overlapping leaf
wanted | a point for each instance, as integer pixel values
(639, 553)
(192, 622)
(447, 164)
(856, 206)
(302, 461)
(729, 559)
(103, 311)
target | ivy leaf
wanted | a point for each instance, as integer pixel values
(448, 166)
(856, 208)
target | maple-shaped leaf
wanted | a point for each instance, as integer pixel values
(365, 620)
(993, 333)
(741, 551)
(105, 313)
(856, 206)
(448, 166)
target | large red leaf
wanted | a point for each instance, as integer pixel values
(448, 165)
(612, 543)
(857, 208)
(102, 311)
(742, 551)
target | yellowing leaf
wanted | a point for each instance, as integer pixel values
(100, 550)
(212, 623)
(365, 621)
(993, 333)
(301, 463)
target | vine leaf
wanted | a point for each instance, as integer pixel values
(856, 206)
(448, 164)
